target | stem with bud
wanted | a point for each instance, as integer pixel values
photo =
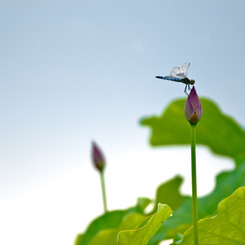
(103, 190)
(194, 183)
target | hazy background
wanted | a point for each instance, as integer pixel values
(76, 71)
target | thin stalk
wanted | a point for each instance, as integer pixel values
(194, 183)
(103, 190)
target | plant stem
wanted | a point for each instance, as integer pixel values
(194, 182)
(103, 190)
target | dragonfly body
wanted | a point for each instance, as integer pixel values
(179, 75)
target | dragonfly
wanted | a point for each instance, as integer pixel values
(179, 74)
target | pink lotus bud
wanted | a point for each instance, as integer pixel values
(193, 107)
(97, 157)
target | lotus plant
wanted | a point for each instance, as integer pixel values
(193, 113)
(98, 160)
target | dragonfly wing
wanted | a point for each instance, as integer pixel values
(175, 71)
(184, 69)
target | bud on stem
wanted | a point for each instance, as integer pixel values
(193, 107)
(99, 163)
(97, 157)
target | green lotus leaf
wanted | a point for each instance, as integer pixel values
(216, 130)
(142, 235)
(109, 220)
(79, 239)
(109, 236)
(227, 227)
(143, 202)
(168, 193)
(226, 183)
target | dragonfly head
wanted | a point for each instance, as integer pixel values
(192, 81)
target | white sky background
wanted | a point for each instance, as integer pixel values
(76, 71)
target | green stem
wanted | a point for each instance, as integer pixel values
(194, 182)
(103, 190)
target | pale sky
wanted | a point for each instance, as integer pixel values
(76, 71)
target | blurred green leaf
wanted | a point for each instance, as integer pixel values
(227, 227)
(143, 202)
(143, 235)
(78, 239)
(106, 221)
(110, 220)
(109, 236)
(168, 193)
(215, 130)
(226, 183)
(177, 240)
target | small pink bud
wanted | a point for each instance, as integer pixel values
(193, 107)
(97, 157)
